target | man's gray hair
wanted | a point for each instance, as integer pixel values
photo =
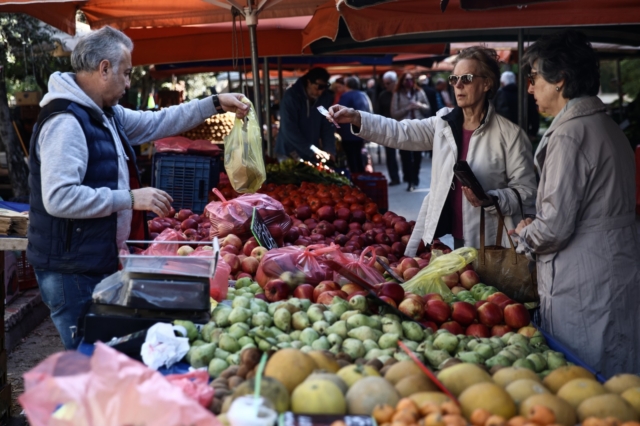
(93, 48)
(391, 75)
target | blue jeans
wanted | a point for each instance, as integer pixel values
(67, 296)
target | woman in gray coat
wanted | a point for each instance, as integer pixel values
(584, 236)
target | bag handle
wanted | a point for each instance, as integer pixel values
(501, 225)
(519, 201)
(365, 252)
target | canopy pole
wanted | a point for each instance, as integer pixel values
(280, 80)
(252, 22)
(267, 105)
(620, 94)
(522, 98)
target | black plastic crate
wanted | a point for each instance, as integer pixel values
(187, 178)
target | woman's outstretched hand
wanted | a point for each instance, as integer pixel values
(342, 114)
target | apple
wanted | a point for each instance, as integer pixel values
(184, 214)
(437, 311)
(468, 279)
(478, 330)
(326, 213)
(527, 331)
(453, 327)
(412, 308)
(480, 303)
(224, 250)
(457, 289)
(249, 265)
(432, 296)
(497, 297)
(249, 246)
(351, 288)
(389, 301)
(232, 240)
(409, 273)
(304, 291)
(276, 290)
(324, 286)
(259, 252)
(503, 303)
(500, 330)
(517, 316)
(244, 275)
(392, 290)
(430, 324)
(463, 312)
(326, 297)
(261, 296)
(232, 260)
(490, 314)
(408, 262)
(451, 280)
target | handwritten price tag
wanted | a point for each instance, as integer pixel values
(290, 419)
(261, 232)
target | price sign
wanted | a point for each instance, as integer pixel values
(261, 232)
(290, 419)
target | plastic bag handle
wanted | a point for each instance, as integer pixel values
(320, 249)
(373, 257)
(219, 195)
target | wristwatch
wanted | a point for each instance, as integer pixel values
(216, 104)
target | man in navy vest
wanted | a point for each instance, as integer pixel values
(86, 199)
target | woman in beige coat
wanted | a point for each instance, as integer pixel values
(497, 150)
(584, 236)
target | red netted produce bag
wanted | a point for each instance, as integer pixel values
(160, 248)
(175, 144)
(307, 261)
(234, 216)
(359, 265)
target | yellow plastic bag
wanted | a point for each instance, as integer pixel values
(429, 280)
(243, 157)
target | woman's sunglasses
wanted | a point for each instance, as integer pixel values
(532, 78)
(465, 78)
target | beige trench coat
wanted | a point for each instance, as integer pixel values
(500, 155)
(586, 242)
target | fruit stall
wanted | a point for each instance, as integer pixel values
(315, 309)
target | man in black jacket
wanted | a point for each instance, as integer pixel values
(506, 103)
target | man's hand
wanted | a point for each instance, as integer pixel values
(342, 114)
(523, 224)
(152, 199)
(232, 102)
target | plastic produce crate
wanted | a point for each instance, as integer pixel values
(375, 186)
(26, 275)
(187, 178)
(555, 345)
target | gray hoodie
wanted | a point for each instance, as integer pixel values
(62, 151)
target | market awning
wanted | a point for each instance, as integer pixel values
(336, 27)
(60, 14)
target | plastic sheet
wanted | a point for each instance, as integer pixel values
(307, 261)
(359, 265)
(107, 389)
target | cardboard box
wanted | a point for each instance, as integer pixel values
(28, 98)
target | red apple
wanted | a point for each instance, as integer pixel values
(500, 330)
(183, 214)
(497, 297)
(326, 297)
(410, 273)
(224, 250)
(503, 303)
(490, 314)
(324, 286)
(468, 279)
(407, 262)
(249, 246)
(480, 303)
(261, 296)
(232, 240)
(392, 290)
(303, 212)
(463, 312)
(430, 324)
(453, 327)
(412, 308)
(451, 280)
(304, 291)
(437, 311)
(326, 213)
(457, 289)
(527, 331)
(516, 316)
(259, 252)
(389, 301)
(232, 260)
(276, 290)
(478, 330)
(351, 288)
(243, 275)
(432, 296)
(249, 265)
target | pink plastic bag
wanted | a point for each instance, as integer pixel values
(361, 266)
(195, 385)
(177, 144)
(234, 216)
(107, 389)
(219, 284)
(204, 147)
(158, 249)
(294, 259)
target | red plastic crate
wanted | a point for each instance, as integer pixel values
(375, 186)
(26, 275)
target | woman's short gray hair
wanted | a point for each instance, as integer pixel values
(488, 62)
(93, 48)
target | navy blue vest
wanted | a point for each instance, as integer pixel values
(76, 246)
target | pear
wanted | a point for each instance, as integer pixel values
(256, 307)
(339, 328)
(359, 303)
(239, 314)
(300, 320)
(393, 317)
(202, 355)
(524, 363)
(537, 339)
(505, 337)
(305, 304)
(539, 363)
(206, 331)
(272, 307)
(228, 343)
(436, 357)
(221, 354)
(282, 320)
(233, 359)
(339, 306)
(498, 360)
(261, 318)
(306, 349)
(296, 344)
(425, 346)
(284, 338)
(217, 366)
(354, 348)
(264, 345)
(446, 342)
(363, 333)
(335, 340)
(389, 340)
(413, 346)
(192, 331)
(242, 283)
(241, 301)
(471, 357)
(295, 335)
(374, 354)
(358, 320)
(274, 331)
(247, 346)
(412, 331)
(321, 344)
(391, 326)
(315, 313)
(295, 302)
(308, 336)
(348, 314)
(370, 344)
(246, 340)
(518, 339)
(484, 350)
(221, 315)
(330, 317)
(321, 327)
(284, 345)
(214, 336)
(255, 288)
(238, 330)
(555, 360)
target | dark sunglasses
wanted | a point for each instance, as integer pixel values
(321, 86)
(465, 78)
(532, 78)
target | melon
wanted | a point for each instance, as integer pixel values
(368, 392)
(461, 376)
(564, 412)
(435, 397)
(609, 405)
(352, 373)
(290, 367)
(487, 396)
(401, 370)
(319, 375)
(318, 397)
(505, 376)
(621, 382)
(524, 388)
(577, 390)
(558, 377)
(324, 362)
(632, 396)
(414, 384)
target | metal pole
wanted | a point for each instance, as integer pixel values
(252, 23)
(620, 94)
(280, 80)
(521, 86)
(267, 104)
